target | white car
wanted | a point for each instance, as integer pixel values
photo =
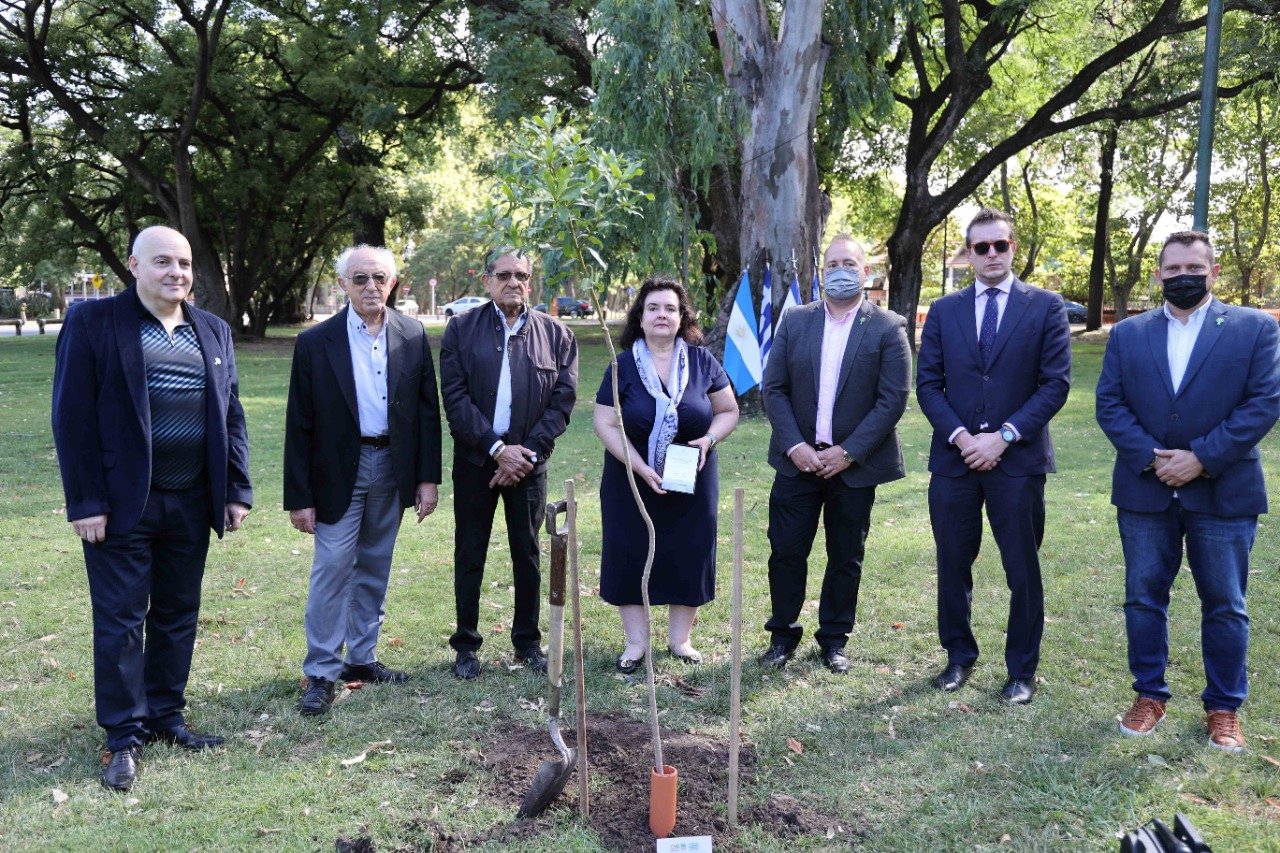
(408, 307)
(463, 305)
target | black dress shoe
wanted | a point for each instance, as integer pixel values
(533, 659)
(376, 672)
(467, 666)
(776, 657)
(184, 736)
(121, 769)
(317, 699)
(952, 678)
(836, 660)
(1018, 691)
(626, 665)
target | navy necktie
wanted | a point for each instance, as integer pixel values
(990, 320)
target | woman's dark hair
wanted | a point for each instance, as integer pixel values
(689, 330)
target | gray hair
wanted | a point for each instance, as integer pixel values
(383, 253)
(491, 259)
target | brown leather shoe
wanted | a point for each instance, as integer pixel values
(1224, 730)
(1142, 717)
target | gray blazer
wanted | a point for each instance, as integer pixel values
(871, 393)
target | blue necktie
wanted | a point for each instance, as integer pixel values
(990, 319)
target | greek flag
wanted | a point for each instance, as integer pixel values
(793, 298)
(816, 296)
(741, 347)
(766, 317)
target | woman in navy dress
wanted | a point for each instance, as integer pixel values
(672, 391)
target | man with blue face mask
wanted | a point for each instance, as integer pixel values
(1187, 392)
(834, 389)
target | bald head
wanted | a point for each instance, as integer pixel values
(161, 265)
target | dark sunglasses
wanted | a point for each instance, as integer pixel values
(505, 276)
(1001, 246)
(361, 279)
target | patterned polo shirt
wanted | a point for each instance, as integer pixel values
(176, 392)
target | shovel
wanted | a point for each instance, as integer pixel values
(553, 773)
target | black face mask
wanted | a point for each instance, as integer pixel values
(1185, 291)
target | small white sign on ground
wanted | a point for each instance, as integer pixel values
(688, 844)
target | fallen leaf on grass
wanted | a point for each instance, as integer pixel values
(486, 705)
(898, 626)
(962, 707)
(377, 746)
(531, 706)
(1006, 838)
(132, 801)
(1192, 798)
(354, 685)
(795, 746)
(395, 643)
(59, 796)
(1156, 761)
(264, 831)
(1274, 802)
(1269, 760)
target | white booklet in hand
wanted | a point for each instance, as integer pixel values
(680, 471)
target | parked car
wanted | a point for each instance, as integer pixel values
(1076, 313)
(463, 305)
(407, 306)
(569, 306)
(541, 306)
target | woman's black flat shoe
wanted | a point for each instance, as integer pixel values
(627, 666)
(694, 656)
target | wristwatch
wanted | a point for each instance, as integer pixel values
(714, 441)
(848, 457)
(1007, 433)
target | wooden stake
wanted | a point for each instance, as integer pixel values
(579, 668)
(735, 650)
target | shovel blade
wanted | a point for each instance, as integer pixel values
(549, 781)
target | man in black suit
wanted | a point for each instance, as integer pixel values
(509, 378)
(362, 442)
(835, 387)
(994, 367)
(153, 450)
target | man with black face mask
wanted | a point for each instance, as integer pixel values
(834, 389)
(1187, 392)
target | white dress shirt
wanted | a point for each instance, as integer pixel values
(502, 407)
(1182, 340)
(369, 364)
(979, 308)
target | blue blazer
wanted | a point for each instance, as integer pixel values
(1025, 384)
(1228, 401)
(102, 417)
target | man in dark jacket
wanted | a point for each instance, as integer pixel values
(509, 379)
(362, 442)
(152, 445)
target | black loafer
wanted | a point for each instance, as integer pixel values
(776, 657)
(467, 666)
(533, 659)
(626, 665)
(122, 769)
(317, 699)
(1018, 691)
(952, 678)
(376, 672)
(186, 737)
(836, 660)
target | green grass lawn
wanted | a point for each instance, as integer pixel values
(918, 769)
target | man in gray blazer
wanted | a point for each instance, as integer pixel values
(835, 387)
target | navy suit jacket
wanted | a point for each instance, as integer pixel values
(322, 422)
(1228, 401)
(1025, 384)
(871, 391)
(102, 416)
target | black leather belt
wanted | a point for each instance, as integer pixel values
(821, 445)
(378, 441)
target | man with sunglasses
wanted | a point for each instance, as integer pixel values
(994, 367)
(509, 378)
(362, 442)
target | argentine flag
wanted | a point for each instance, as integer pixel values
(741, 347)
(766, 318)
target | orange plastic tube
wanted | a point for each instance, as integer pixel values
(662, 800)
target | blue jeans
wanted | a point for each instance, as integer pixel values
(1218, 554)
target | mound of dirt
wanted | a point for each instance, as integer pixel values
(620, 755)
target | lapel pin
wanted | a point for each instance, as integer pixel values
(862, 319)
(1220, 321)
(216, 361)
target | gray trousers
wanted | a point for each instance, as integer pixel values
(350, 570)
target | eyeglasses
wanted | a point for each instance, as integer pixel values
(1001, 246)
(361, 279)
(506, 275)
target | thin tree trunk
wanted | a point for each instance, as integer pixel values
(1101, 228)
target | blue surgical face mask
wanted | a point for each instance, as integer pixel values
(843, 283)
